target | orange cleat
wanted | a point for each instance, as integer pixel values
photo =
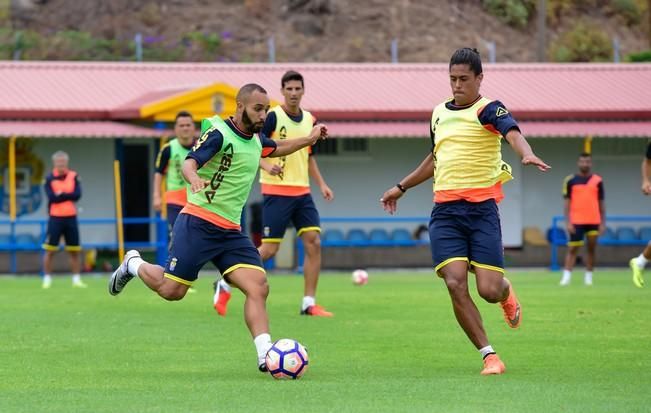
(493, 365)
(316, 311)
(222, 302)
(511, 309)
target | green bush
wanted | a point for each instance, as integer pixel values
(586, 42)
(629, 10)
(511, 12)
(558, 8)
(644, 56)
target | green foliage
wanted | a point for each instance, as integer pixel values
(586, 42)
(77, 45)
(629, 10)
(514, 13)
(558, 8)
(639, 57)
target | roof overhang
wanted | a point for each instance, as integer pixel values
(76, 129)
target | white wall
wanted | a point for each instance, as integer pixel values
(93, 161)
(359, 181)
(532, 198)
(617, 160)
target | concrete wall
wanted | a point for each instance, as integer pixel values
(359, 181)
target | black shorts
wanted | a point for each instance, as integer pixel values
(279, 210)
(65, 227)
(580, 232)
(467, 231)
(196, 241)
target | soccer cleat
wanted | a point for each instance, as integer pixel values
(79, 284)
(47, 283)
(121, 276)
(263, 368)
(638, 279)
(316, 311)
(221, 299)
(511, 309)
(565, 281)
(587, 280)
(493, 365)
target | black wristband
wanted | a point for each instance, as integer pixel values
(401, 188)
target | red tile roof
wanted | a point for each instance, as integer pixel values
(552, 129)
(76, 90)
(75, 129)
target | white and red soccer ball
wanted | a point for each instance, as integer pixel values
(360, 277)
(287, 359)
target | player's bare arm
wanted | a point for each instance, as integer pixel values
(422, 173)
(156, 196)
(646, 183)
(315, 173)
(190, 175)
(523, 149)
(285, 147)
(271, 168)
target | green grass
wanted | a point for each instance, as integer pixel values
(393, 346)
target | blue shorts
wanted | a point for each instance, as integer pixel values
(65, 227)
(173, 211)
(278, 210)
(196, 241)
(580, 232)
(467, 231)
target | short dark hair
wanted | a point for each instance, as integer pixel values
(291, 75)
(467, 56)
(183, 114)
(585, 155)
(246, 91)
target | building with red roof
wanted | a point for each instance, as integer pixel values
(128, 106)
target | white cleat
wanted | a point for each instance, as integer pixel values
(121, 276)
(588, 280)
(565, 281)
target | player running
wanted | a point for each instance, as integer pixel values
(286, 190)
(638, 263)
(220, 170)
(468, 170)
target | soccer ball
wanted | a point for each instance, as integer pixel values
(287, 359)
(360, 277)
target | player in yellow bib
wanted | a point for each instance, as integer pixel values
(468, 170)
(286, 191)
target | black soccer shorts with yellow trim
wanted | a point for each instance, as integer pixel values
(466, 231)
(58, 227)
(196, 241)
(278, 211)
(581, 231)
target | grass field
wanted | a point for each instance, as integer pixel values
(393, 346)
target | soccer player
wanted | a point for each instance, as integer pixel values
(286, 193)
(637, 264)
(169, 163)
(468, 170)
(63, 190)
(220, 170)
(584, 216)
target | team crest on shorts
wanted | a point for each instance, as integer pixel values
(173, 263)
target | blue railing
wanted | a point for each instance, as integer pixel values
(14, 243)
(404, 241)
(558, 237)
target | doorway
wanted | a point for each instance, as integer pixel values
(136, 188)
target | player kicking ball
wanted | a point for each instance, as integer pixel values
(220, 170)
